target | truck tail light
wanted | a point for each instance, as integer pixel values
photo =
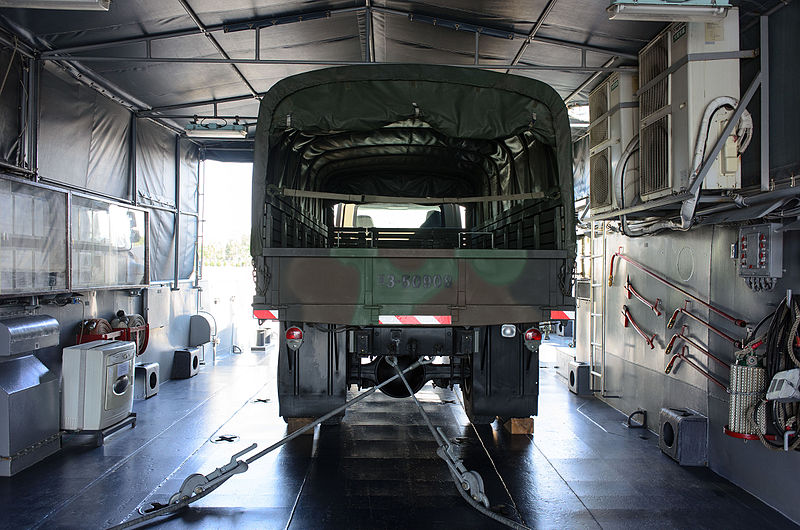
(294, 337)
(533, 337)
(533, 334)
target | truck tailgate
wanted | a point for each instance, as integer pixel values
(364, 286)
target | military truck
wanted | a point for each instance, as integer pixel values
(411, 211)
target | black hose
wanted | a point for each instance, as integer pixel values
(779, 357)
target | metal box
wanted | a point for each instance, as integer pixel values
(683, 436)
(147, 381)
(186, 363)
(29, 414)
(20, 335)
(761, 251)
(578, 379)
(29, 401)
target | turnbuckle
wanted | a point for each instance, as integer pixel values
(197, 483)
(470, 481)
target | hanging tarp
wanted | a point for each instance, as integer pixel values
(411, 130)
(155, 164)
(83, 136)
(188, 240)
(190, 176)
(162, 246)
(10, 89)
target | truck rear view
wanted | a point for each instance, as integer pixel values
(411, 211)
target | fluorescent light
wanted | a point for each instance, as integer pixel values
(214, 130)
(83, 5)
(669, 11)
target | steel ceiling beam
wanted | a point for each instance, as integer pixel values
(214, 42)
(311, 62)
(527, 42)
(192, 104)
(263, 23)
(608, 64)
(461, 25)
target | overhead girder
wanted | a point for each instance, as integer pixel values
(264, 23)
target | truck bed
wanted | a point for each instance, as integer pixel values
(369, 286)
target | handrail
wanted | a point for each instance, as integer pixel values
(629, 319)
(642, 299)
(738, 321)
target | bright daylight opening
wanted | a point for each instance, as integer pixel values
(227, 270)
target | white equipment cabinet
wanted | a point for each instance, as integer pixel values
(97, 384)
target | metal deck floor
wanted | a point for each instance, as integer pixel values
(378, 469)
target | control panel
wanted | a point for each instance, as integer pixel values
(760, 251)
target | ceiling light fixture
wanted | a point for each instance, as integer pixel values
(81, 5)
(669, 10)
(198, 129)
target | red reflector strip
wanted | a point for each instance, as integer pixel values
(562, 315)
(415, 320)
(263, 314)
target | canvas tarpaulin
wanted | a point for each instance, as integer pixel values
(155, 164)
(83, 136)
(462, 131)
(11, 68)
(190, 176)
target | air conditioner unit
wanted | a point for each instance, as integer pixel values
(678, 83)
(614, 119)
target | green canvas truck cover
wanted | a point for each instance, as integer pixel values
(413, 131)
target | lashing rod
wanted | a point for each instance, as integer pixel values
(698, 347)
(738, 321)
(684, 311)
(633, 292)
(639, 330)
(682, 355)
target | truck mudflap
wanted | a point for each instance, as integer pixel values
(312, 379)
(504, 378)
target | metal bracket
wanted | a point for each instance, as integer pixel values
(642, 425)
(633, 292)
(629, 319)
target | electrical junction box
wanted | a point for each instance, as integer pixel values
(785, 386)
(677, 85)
(760, 251)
